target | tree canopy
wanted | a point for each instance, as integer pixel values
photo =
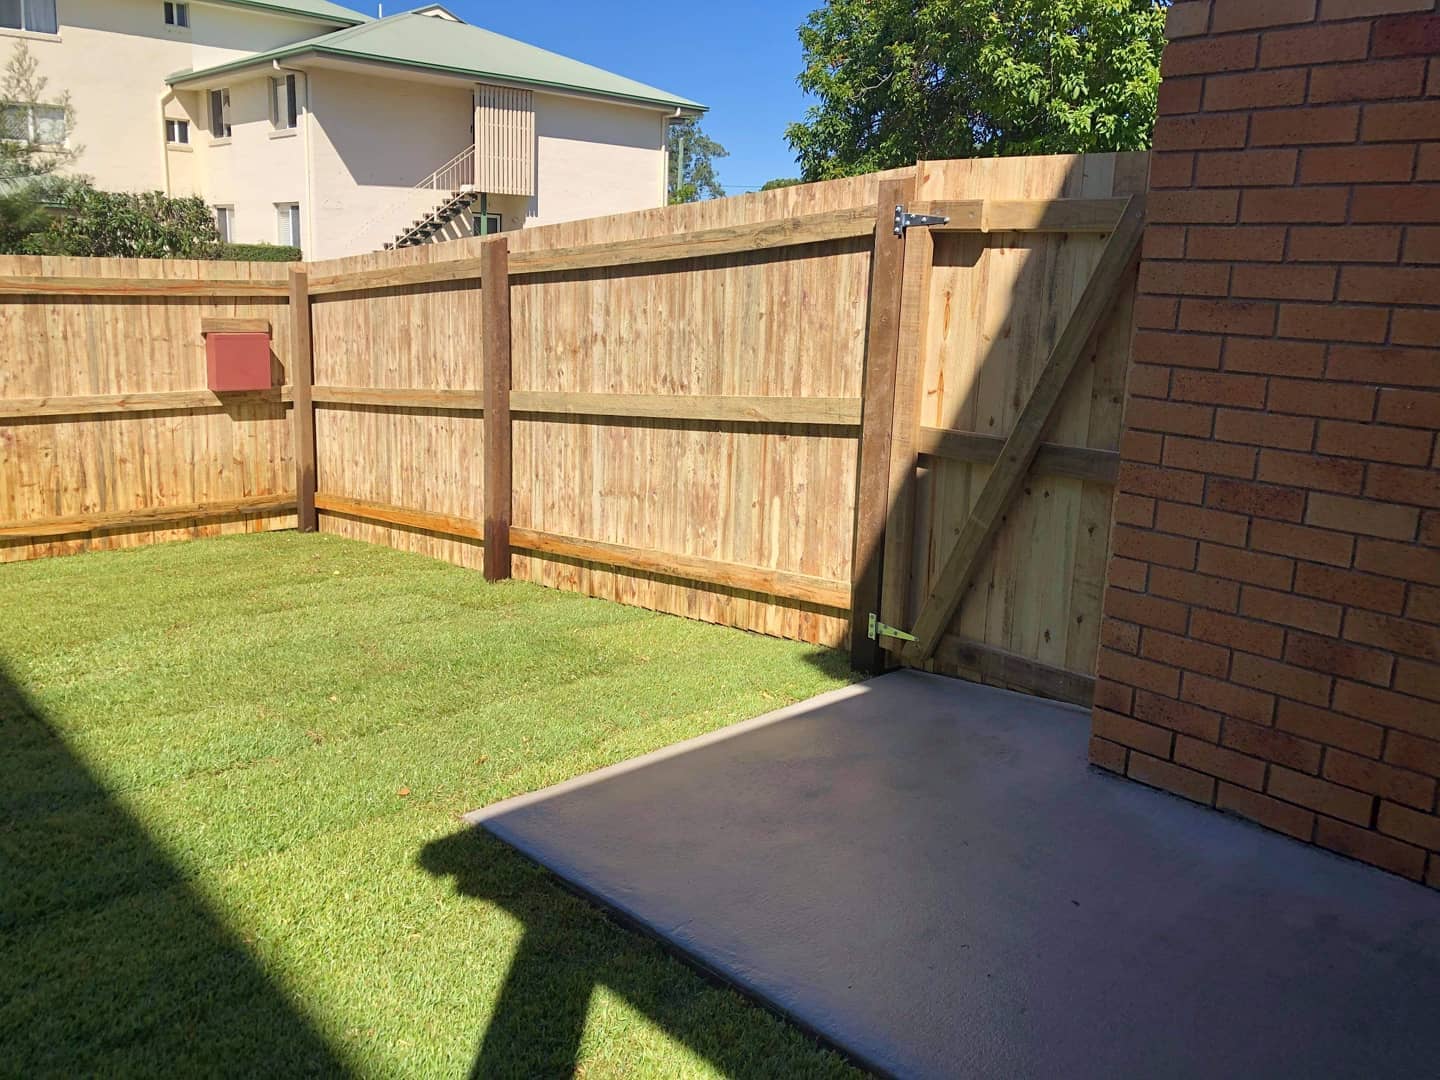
(695, 152)
(899, 80)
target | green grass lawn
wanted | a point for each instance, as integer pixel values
(229, 839)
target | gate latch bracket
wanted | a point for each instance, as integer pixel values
(879, 629)
(904, 219)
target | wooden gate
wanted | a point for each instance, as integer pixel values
(984, 506)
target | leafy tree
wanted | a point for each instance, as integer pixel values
(779, 182)
(35, 130)
(149, 225)
(695, 153)
(899, 80)
(35, 127)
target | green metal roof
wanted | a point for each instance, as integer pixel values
(430, 43)
(319, 9)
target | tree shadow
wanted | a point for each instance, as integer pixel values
(569, 950)
(111, 963)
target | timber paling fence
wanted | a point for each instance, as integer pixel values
(776, 412)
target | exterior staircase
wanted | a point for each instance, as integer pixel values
(423, 228)
(444, 195)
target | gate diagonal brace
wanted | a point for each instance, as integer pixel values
(904, 220)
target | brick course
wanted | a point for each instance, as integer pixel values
(1271, 643)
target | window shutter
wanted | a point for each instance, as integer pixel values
(285, 234)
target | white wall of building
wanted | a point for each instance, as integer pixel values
(258, 166)
(113, 57)
(595, 157)
(374, 138)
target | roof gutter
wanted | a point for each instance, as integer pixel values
(286, 11)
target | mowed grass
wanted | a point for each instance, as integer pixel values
(229, 840)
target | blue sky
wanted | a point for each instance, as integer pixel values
(741, 59)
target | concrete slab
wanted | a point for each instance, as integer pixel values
(927, 874)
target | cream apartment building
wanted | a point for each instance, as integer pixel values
(303, 121)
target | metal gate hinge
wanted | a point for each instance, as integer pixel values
(879, 629)
(904, 219)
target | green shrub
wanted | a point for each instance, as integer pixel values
(144, 225)
(259, 253)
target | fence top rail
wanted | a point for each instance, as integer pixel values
(393, 277)
(58, 285)
(724, 240)
(970, 215)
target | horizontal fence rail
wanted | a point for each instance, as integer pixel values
(779, 583)
(820, 412)
(116, 404)
(36, 528)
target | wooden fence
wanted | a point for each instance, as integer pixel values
(771, 412)
(106, 437)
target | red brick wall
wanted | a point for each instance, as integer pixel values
(1271, 643)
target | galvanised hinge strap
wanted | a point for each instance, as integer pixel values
(879, 629)
(904, 220)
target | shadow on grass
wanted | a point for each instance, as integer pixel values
(110, 963)
(570, 948)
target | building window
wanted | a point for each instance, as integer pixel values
(39, 125)
(283, 112)
(177, 14)
(225, 223)
(220, 114)
(37, 16)
(487, 225)
(289, 220)
(177, 132)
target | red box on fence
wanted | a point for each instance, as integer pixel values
(236, 362)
